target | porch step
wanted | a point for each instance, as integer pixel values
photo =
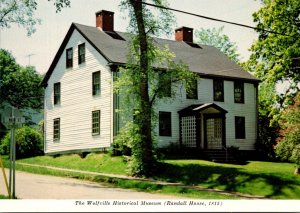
(219, 156)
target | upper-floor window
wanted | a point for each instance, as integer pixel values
(56, 129)
(56, 93)
(69, 57)
(165, 86)
(238, 92)
(81, 53)
(192, 93)
(240, 131)
(218, 90)
(96, 83)
(96, 122)
(165, 124)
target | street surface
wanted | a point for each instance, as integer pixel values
(33, 186)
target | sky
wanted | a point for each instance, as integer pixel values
(40, 48)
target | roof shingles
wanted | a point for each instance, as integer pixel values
(207, 60)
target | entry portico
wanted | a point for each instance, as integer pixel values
(203, 126)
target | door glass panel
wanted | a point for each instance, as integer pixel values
(214, 133)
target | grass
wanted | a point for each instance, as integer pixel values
(138, 185)
(92, 162)
(268, 179)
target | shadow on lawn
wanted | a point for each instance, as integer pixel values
(230, 179)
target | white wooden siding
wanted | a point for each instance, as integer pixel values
(77, 102)
(205, 95)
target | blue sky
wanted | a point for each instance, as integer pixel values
(43, 45)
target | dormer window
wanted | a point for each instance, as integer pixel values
(81, 53)
(69, 58)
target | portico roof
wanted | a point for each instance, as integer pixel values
(203, 108)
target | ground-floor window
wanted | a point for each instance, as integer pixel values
(56, 129)
(96, 122)
(240, 131)
(188, 131)
(165, 124)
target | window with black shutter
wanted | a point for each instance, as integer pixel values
(240, 131)
(165, 124)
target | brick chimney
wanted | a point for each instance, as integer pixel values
(184, 34)
(105, 20)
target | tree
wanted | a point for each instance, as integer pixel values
(267, 131)
(19, 86)
(21, 12)
(141, 83)
(288, 146)
(216, 38)
(275, 56)
(275, 60)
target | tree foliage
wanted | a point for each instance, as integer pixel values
(268, 131)
(275, 56)
(19, 86)
(21, 12)
(288, 147)
(139, 83)
(216, 38)
(275, 59)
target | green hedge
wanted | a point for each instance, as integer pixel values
(29, 143)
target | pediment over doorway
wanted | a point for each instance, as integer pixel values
(206, 108)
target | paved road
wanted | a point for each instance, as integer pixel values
(32, 186)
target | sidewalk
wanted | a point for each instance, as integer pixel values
(245, 196)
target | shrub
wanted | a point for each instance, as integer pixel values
(288, 147)
(29, 143)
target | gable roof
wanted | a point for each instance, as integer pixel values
(113, 46)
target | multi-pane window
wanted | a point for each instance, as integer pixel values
(240, 131)
(96, 122)
(218, 90)
(192, 93)
(165, 86)
(81, 53)
(96, 83)
(56, 93)
(165, 124)
(238, 92)
(56, 129)
(69, 57)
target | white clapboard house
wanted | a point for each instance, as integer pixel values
(80, 106)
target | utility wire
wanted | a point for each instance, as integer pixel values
(214, 19)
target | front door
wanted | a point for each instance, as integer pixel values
(214, 133)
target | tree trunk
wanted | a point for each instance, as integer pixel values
(145, 114)
(297, 171)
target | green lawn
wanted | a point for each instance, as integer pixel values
(268, 179)
(92, 162)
